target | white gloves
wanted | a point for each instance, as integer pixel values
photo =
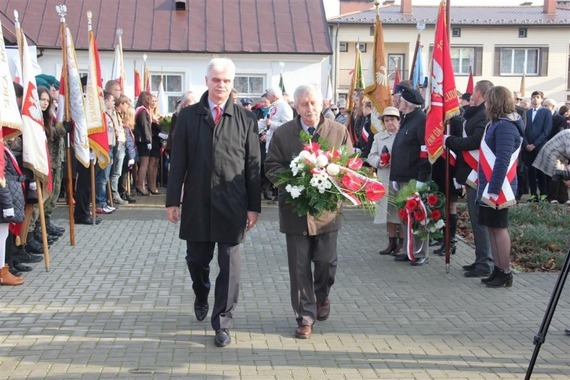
(131, 162)
(8, 213)
(93, 157)
(33, 186)
(419, 185)
(149, 146)
(163, 135)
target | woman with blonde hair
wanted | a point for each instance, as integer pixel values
(128, 119)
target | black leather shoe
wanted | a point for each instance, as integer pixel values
(420, 261)
(21, 267)
(15, 272)
(222, 338)
(469, 267)
(28, 258)
(477, 273)
(54, 230)
(88, 221)
(201, 311)
(34, 246)
(401, 257)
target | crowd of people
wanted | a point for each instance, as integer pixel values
(226, 153)
(136, 142)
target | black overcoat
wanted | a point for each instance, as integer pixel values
(219, 166)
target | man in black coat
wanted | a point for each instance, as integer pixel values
(216, 161)
(409, 156)
(467, 149)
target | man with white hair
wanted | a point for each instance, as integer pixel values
(216, 162)
(279, 113)
(310, 240)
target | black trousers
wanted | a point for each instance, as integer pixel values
(83, 192)
(198, 257)
(306, 286)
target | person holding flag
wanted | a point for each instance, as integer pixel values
(466, 146)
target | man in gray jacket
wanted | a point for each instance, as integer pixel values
(310, 240)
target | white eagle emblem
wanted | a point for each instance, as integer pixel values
(382, 76)
(437, 79)
(34, 109)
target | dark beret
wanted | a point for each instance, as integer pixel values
(412, 96)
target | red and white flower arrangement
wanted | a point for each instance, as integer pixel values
(422, 209)
(320, 178)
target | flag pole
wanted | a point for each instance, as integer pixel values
(91, 162)
(20, 37)
(61, 11)
(420, 26)
(447, 238)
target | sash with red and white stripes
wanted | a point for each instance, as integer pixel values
(471, 158)
(365, 134)
(409, 226)
(487, 161)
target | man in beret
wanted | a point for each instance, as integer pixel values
(409, 157)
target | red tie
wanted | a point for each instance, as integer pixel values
(218, 114)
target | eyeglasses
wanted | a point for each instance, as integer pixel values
(334, 109)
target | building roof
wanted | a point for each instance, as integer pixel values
(469, 15)
(206, 26)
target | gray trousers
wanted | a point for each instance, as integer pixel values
(198, 257)
(483, 254)
(308, 286)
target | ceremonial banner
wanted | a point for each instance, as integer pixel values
(357, 80)
(95, 106)
(162, 98)
(469, 89)
(442, 102)
(419, 75)
(73, 91)
(281, 83)
(118, 72)
(138, 84)
(10, 118)
(379, 91)
(147, 87)
(396, 80)
(34, 142)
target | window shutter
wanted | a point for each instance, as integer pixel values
(478, 61)
(543, 62)
(497, 63)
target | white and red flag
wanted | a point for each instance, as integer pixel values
(95, 106)
(442, 101)
(72, 90)
(34, 141)
(10, 118)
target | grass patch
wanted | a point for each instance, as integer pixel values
(539, 235)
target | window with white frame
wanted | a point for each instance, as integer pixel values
(249, 85)
(518, 61)
(462, 58)
(172, 85)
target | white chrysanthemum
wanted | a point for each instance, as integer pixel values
(295, 191)
(333, 169)
(296, 165)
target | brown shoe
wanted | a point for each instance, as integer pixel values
(7, 278)
(323, 309)
(303, 332)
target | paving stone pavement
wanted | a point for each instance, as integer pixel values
(119, 305)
